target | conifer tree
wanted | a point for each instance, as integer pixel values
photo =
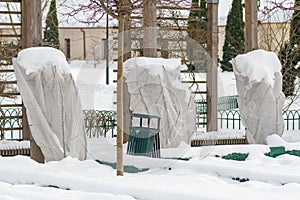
(290, 54)
(197, 40)
(51, 37)
(234, 35)
(295, 25)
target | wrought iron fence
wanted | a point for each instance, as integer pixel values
(99, 122)
(228, 102)
(229, 119)
(11, 123)
(224, 103)
(291, 119)
(96, 123)
(229, 115)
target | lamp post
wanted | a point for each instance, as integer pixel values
(106, 45)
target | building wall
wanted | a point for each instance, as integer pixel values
(88, 40)
(271, 37)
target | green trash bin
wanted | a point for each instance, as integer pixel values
(143, 139)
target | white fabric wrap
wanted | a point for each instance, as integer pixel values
(260, 94)
(52, 103)
(155, 89)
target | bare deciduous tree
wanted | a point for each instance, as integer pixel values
(142, 11)
(276, 35)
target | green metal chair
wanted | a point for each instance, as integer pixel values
(143, 139)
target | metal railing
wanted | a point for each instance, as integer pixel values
(229, 119)
(228, 102)
(291, 119)
(11, 123)
(229, 115)
(224, 103)
(99, 122)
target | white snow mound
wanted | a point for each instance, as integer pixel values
(258, 66)
(37, 58)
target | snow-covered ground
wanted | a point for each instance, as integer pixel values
(182, 173)
(203, 176)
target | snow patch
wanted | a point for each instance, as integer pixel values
(6, 144)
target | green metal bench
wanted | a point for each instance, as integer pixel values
(143, 139)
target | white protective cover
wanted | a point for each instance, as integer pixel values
(259, 86)
(52, 102)
(155, 89)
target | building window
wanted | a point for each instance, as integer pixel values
(68, 48)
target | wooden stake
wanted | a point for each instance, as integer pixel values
(127, 55)
(120, 88)
(31, 37)
(251, 25)
(212, 65)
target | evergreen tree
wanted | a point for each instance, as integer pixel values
(234, 35)
(197, 39)
(288, 71)
(295, 25)
(290, 54)
(51, 32)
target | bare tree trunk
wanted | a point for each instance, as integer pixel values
(120, 87)
(31, 37)
(150, 28)
(127, 36)
(126, 95)
(212, 66)
(251, 25)
(126, 56)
